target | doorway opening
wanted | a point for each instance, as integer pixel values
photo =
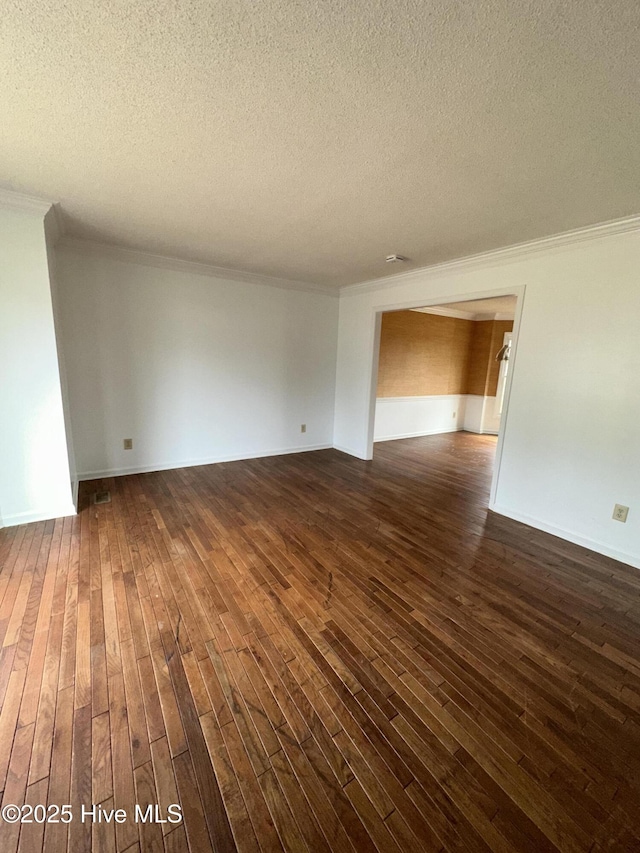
(445, 369)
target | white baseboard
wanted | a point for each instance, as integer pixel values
(39, 515)
(569, 536)
(350, 452)
(417, 434)
(191, 463)
(75, 485)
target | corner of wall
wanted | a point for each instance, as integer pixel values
(36, 482)
(53, 233)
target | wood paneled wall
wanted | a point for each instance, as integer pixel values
(426, 354)
(423, 354)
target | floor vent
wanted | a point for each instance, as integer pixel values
(102, 497)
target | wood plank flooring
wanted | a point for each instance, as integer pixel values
(312, 653)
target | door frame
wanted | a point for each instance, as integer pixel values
(431, 302)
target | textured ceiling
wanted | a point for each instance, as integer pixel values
(308, 140)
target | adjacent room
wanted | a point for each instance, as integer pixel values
(319, 427)
(444, 368)
(442, 374)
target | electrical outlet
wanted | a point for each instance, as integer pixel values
(128, 443)
(620, 512)
(303, 427)
(454, 414)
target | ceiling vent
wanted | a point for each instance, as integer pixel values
(395, 259)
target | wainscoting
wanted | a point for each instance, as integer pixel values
(409, 417)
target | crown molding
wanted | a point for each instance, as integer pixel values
(447, 312)
(507, 254)
(11, 200)
(150, 259)
(463, 315)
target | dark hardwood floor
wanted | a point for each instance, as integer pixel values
(312, 653)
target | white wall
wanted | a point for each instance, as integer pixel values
(571, 440)
(194, 369)
(34, 466)
(405, 417)
(408, 417)
(51, 236)
(480, 415)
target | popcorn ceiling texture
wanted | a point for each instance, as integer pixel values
(308, 140)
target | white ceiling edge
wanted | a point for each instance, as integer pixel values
(150, 259)
(465, 315)
(11, 200)
(507, 254)
(55, 233)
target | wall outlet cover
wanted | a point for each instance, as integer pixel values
(620, 512)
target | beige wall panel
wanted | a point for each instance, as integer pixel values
(479, 354)
(425, 354)
(422, 354)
